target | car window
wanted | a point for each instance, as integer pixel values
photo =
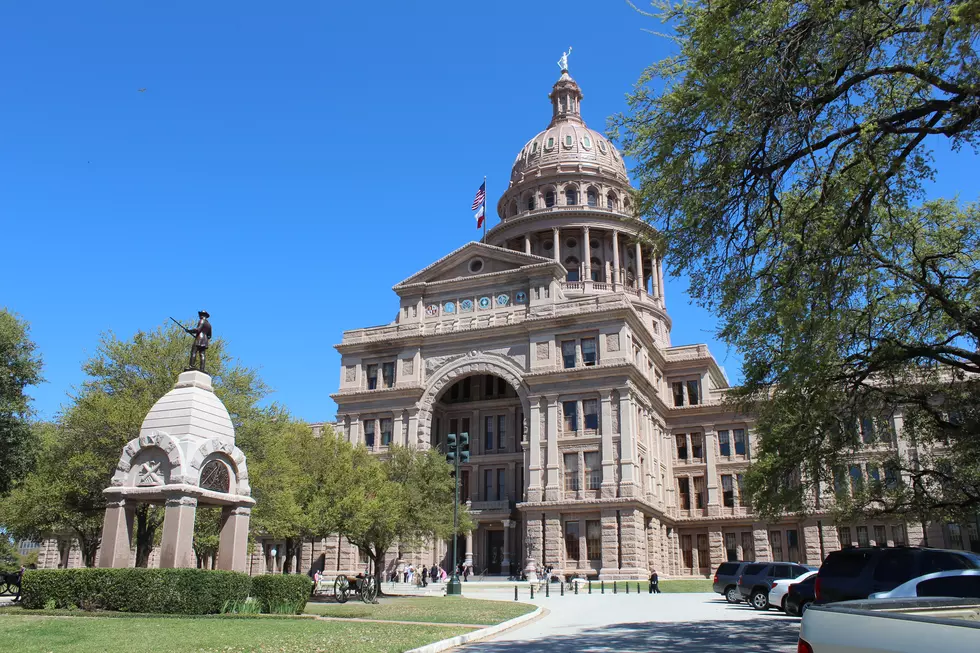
(957, 586)
(942, 561)
(727, 568)
(800, 570)
(895, 567)
(812, 580)
(752, 570)
(846, 564)
(782, 571)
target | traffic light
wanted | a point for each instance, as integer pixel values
(451, 447)
(464, 448)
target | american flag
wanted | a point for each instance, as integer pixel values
(481, 195)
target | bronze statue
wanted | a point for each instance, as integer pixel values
(202, 337)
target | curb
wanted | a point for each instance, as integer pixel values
(477, 635)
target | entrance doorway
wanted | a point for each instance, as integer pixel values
(495, 551)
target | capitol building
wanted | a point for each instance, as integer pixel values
(598, 446)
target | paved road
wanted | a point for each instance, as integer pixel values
(622, 623)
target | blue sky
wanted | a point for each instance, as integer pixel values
(287, 164)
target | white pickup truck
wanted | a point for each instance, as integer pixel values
(914, 625)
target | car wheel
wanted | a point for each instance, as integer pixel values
(732, 596)
(782, 605)
(803, 607)
(759, 600)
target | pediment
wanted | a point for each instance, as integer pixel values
(474, 261)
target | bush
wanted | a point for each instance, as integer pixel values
(164, 591)
(282, 593)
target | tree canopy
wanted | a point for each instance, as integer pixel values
(21, 368)
(784, 153)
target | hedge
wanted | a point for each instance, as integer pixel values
(164, 591)
(282, 592)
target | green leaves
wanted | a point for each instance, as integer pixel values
(20, 368)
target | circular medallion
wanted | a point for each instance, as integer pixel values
(484, 302)
(502, 299)
(466, 305)
(520, 297)
(432, 310)
(450, 307)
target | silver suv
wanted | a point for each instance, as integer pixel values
(756, 580)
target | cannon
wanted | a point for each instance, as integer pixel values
(364, 586)
(9, 583)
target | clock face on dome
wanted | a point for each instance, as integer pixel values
(484, 303)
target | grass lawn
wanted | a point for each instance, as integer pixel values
(434, 609)
(29, 633)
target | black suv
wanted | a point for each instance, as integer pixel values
(756, 580)
(726, 579)
(856, 573)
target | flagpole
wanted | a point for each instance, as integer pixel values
(485, 216)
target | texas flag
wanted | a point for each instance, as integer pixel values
(480, 215)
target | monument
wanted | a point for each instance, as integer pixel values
(185, 456)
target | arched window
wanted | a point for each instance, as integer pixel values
(530, 202)
(512, 209)
(595, 268)
(611, 201)
(592, 197)
(549, 198)
(571, 196)
(626, 204)
(571, 264)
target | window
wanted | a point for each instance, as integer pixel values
(488, 386)
(568, 353)
(933, 561)
(898, 535)
(571, 540)
(724, 444)
(958, 586)
(568, 140)
(867, 430)
(776, 544)
(571, 197)
(740, 482)
(844, 535)
(731, 550)
(686, 552)
(892, 476)
(571, 264)
(501, 484)
(530, 200)
(593, 470)
(592, 197)
(571, 419)
(857, 480)
(955, 536)
(595, 269)
(501, 431)
(697, 446)
(593, 539)
(684, 493)
(550, 144)
(681, 439)
(488, 433)
(881, 539)
(793, 545)
(678, 389)
(610, 201)
(740, 444)
(590, 409)
(372, 377)
(699, 492)
(549, 197)
(385, 431)
(704, 557)
(873, 474)
(727, 491)
(571, 472)
(487, 484)
(840, 482)
(588, 351)
(693, 393)
(369, 433)
(388, 374)
(748, 546)
(895, 566)
(863, 536)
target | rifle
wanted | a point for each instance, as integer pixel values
(183, 327)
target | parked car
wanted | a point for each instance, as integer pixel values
(726, 579)
(963, 583)
(800, 596)
(756, 580)
(856, 573)
(893, 625)
(779, 587)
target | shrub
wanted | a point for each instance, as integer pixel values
(282, 593)
(165, 591)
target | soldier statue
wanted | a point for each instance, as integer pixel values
(202, 337)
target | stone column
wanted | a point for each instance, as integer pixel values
(587, 258)
(177, 544)
(117, 533)
(627, 473)
(711, 473)
(552, 539)
(556, 240)
(552, 490)
(534, 450)
(660, 280)
(640, 281)
(505, 562)
(377, 433)
(233, 542)
(811, 544)
(397, 429)
(608, 454)
(355, 425)
(617, 277)
(583, 546)
(610, 544)
(468, 556)
(760, 533)
(716, 549)
(527, 244)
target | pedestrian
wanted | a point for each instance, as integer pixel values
(654, 582)
(435, 573)
(405, 574)
(424, 576)
(20, 582)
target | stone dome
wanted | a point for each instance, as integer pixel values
(572, 143)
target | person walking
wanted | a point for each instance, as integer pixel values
(424, 576)
(654, 582)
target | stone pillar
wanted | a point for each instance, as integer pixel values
(355, 429)
(552, 539)
(177, 543)
(527, 244)
(587, 258)
(660, 280)
(654, 276)
(608, 454)
(505, 562)
(811, 545)
(617, 277)
(761, 536)
(633, 564)
(552, 490)
(233, 542)
(711, 473)
(534, 450)
(117, 533)
(397, 429)
(468, 558)
(610, 544)
(716, 549)
(627, 475)
(640, 281)
(654, 545)
(556, 240)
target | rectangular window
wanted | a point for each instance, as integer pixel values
(857, 479)
(571, 540)
(892, 476)
(369, 433)
(467, 387)
(898, 535)
(699, 492)
(863, 536)
(684, 493)
(740, 444)
(844, 535)
(731, 549)
(776, 544)
(867, 430)
(488, 433)
(955, 537)
(388, 375)
(727, 491)
(501, 387)
(385, 431)
(593, 470)
(686, 552)
(693, 393)
(793, 545)
(593, 539)
(590, 409)
(697, 446)
(489, 385)
(487, 484)
(465, 425)
(678, 389)
(840, 482)
(704, 557)
(873, 474)
(568, 353)
(571, 472)
(501, 484)
(724, 444)
(501, 431)
(372, 377)
(588, 351)
(881, 538)
(681, 439)
(743, 499)
(748, 546)
(571, 419)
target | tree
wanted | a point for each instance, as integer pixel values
(783, 160)
(21, 368)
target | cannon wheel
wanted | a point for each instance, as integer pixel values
(369, 589)
(341, 589)
(3, 587)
